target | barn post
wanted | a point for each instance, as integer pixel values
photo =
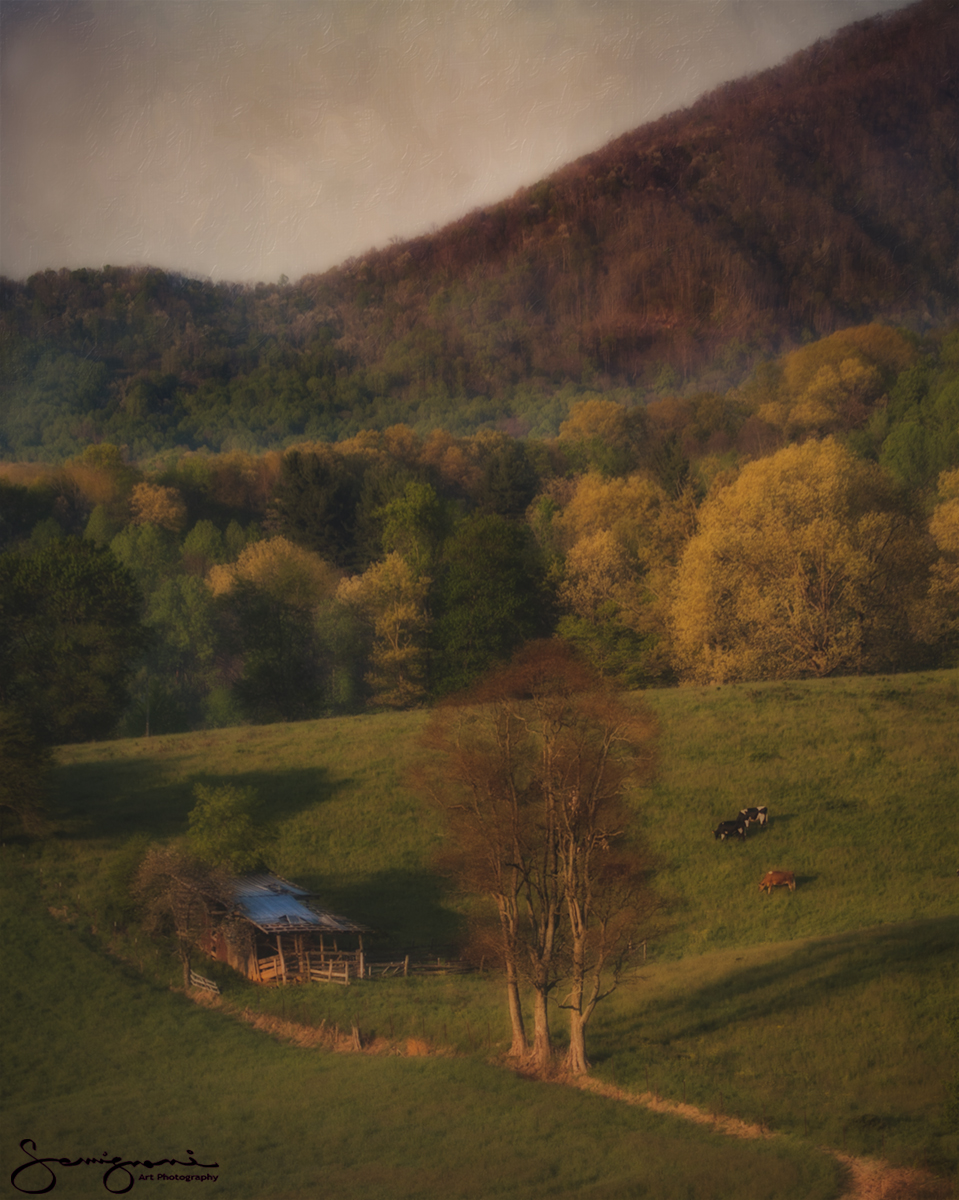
(298, 945)
(279, 950)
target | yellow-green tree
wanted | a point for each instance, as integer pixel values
(287, 572)
(391, 598)
(806, 565)
(937, 617)
(153, 504)
(271, 597)
(603, 434)
(622, 538)
(834, 383)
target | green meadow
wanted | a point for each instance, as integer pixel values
(828, 1015)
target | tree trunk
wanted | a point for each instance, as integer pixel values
(576, 1058)
(542, 1056)
(576, 1061)
(519, 1047)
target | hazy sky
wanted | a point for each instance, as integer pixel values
(245, 139)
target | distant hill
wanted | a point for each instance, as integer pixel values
(819, 194)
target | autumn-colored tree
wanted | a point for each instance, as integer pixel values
(608, 610)
(152, 504)
(806, 565)
(622, 539)
(937, 616)
(97, 478)
(391, 598)
(287, 572)
(833, 384)
(531, 767)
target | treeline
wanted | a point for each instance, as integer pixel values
(777, 210)
(803, 524)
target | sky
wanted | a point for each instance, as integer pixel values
(246, 140)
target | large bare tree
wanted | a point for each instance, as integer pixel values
(531, 767)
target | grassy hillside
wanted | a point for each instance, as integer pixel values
(859, 776)
(164, 1078)
(827, 1013)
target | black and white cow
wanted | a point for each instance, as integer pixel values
(726, 829)
(759, 815)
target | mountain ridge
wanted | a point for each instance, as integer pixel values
(810, 197)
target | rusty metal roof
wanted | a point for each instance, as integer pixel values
(275, 905)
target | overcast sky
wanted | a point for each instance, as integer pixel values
(245, 139)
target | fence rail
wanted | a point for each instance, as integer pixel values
(406, 966)
(346, 968)
(200, 981)
(307, 966)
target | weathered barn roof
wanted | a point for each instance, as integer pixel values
(275, 905)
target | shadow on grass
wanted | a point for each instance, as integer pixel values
(119, 800)
(407, 912)
(800, 980)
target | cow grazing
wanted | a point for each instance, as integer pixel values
(726, 829)
(777, 879)
(759, 815)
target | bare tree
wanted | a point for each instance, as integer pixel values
(181, 895)
(472, 782)
(531, 767)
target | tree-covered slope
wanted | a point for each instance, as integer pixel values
(813, 196)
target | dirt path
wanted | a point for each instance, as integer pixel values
(867, 1178)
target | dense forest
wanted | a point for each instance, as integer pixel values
(804, 524)
(811, 197)
(691, 404)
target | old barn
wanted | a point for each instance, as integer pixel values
(274, 934)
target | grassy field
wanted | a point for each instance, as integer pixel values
(828, 1014)
(100, 1061)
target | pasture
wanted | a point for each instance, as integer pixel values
(827, 1014)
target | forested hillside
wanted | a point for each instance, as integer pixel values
(639, 406)
(814, 196)
(805, 524)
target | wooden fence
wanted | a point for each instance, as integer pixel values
(423, 967)
(309, 967)
(201, 981)
(345, 968)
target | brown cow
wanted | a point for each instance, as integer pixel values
(778, 879)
